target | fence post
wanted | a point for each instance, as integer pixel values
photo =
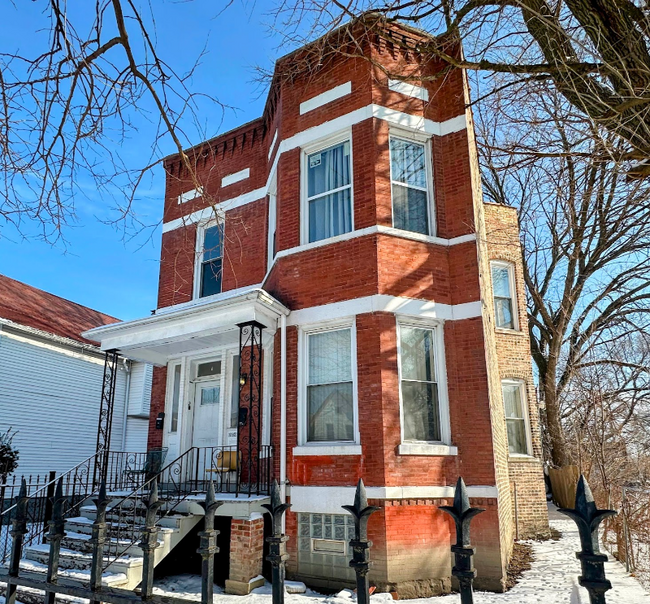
(463, 551)
(49, 498)
(208, 545)
(587, 517)
(360, 562)
(19, 530)
(149, 541)
(98, 538)
(277, 542)
(56, 534)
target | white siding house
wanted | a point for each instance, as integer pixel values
(50, 392)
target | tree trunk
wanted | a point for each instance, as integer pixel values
(559, 454)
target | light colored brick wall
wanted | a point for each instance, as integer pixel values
(514, 362)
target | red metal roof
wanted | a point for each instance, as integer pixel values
(36, 308)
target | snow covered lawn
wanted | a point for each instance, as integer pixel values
(551, 580)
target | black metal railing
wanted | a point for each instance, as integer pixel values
(188, 475)
(585, 513)
(77, 486)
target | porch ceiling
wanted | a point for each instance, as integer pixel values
(190, 327)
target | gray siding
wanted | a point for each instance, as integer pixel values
(52, 400)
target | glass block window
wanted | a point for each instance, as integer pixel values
(323, 545)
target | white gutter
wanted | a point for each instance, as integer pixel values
(283, 408)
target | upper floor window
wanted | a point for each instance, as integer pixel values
(410, 185)
(329, 192)
(421, 421)
(211, 261)
(330, 386)
(504, 295)
(514, 401)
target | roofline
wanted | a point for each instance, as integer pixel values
(9, 326)
(253, 294)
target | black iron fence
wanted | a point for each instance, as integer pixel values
(125, 471)
(585, 514)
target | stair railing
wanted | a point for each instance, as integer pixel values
(175, 482)
(78, 487)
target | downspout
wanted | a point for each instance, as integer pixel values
(283, 407)
(127, 391)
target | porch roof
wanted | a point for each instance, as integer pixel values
(191, 327)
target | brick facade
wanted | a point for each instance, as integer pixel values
(445, 278)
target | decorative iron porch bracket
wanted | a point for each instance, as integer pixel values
(105, 423)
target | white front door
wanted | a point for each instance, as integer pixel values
(208, 409)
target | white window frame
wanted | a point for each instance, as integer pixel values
(352, 447)
(198, 253)
(513, 294)
(169, 403)
(444, 446)
(273, 224)
(428, 155)
(305, 152)
(521, 384)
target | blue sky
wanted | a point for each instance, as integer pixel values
(96, 267)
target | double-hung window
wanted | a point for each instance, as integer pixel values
(211, 261)
(329, 192)
(330, 386)
(515, 407)
(421, 421)
(504, 295)
(410, 186)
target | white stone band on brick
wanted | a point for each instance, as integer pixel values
(190, 195)
(409, 89)
(398, 305)
(326, 97)
(328, 500)
(231, 179)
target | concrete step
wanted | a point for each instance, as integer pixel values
(74, 560)
(28, 595)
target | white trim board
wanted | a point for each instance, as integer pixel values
(215, 211)
(385, 303)
(328, 500)
(230, 179)
(405, 120)
(326, 97)
(409, 89)
(190, 195)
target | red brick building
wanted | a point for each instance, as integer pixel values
(348, 222)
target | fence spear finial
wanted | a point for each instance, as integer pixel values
(587, 517)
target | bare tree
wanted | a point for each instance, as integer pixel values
(595, 52)
(68, 106)
(586, 237)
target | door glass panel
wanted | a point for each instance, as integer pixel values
(211, 395)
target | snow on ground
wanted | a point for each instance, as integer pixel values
(551, 580)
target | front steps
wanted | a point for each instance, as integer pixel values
(125, 571)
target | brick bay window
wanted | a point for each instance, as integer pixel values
(503, 286)
(328, 391)
(210, 260)
(410, 185)
(514, 401)
(424, 412)
(327, 191)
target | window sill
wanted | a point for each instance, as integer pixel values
(350, 449)
(509, 332)
(520, 457)
(138, 415)
(426, 449)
